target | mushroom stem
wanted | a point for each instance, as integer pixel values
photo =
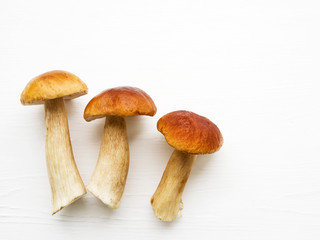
(109, 178)
(166, 201)
(66, 183)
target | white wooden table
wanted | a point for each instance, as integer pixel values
(252, 67)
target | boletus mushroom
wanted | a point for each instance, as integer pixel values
(189, 134)
(51, 89)
(109, 177)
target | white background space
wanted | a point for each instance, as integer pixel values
(252, 67)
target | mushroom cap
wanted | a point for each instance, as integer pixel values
(120, 101)
(190, 132)
(51, 85)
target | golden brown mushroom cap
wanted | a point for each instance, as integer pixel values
(120, 101)
(51, 85)
(190, 132)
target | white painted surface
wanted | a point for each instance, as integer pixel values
(252, 67)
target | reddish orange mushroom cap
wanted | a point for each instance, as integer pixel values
(120, 101)
(190, 132)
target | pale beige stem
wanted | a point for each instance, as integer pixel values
(66, 183)
(110, 175)
(166, 201)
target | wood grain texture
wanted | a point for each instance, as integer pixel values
(249, 66)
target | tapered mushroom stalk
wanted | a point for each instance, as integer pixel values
(166, 201)
(109, 177)
(189, 134)
(65, 181)
(50, 88)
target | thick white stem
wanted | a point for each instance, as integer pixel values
(166, 201)
(66, 183)
(109, 178)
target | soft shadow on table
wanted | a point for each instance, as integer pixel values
(84, 209)
(40, 118)
(165, 226)
(201, 163)
(97, 130)
(71, 106)
(134, 127)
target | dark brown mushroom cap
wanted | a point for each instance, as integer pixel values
(51, 85)
(120, 101)
(190, 132)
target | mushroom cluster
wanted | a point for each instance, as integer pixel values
(190, 134)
